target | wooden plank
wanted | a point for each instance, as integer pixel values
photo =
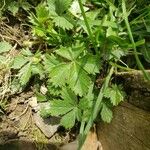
(129, 129)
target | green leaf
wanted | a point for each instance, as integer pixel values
(38, 69)
(42, 13)
(117, 54)
(106, 113)
(68, 120)
(25, 74)
(60, 74)
(19, 61)
(53, 90)
(65, 52)
(69, 96)
(61, 107)
(50, 61)
(111, 32)
(79, 81)
(71, 53)
(91, 63)
(62, 6)
(115, 95)
(62, 22)
(67, 107)
(5, 47)
(26, 52)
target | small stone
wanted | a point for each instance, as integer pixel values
(48, 126)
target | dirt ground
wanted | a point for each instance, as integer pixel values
(18, 129)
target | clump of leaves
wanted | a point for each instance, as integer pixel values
(28, 65)
(82, 36)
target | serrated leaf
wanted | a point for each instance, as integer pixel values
(65, 52)
(38, 69)
(25, 74)
(61, 107)
(62, 22)
(106, 113)
(86, 102)
(68, 120)
(71, 53)
(91, 63)
(53, 90)
(26, 52)
(111, 32)
(62, 6)
(50, 61)
(69, 96)
(79, 81)
(44, 111)
(117, 54)
(19, 61)
(60, 74)
(115, 95)
(4, 47)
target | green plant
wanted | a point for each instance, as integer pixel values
(80, 42)
(13, 6)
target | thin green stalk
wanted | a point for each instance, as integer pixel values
(146, 75)
(98, 101)
(82, 127)
(97, 106)
(87, 24)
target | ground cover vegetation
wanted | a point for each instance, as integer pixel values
(74, 49)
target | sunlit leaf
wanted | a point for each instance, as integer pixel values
(5, 47)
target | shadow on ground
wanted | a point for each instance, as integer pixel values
(14, 143)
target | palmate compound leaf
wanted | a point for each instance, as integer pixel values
(115, 94)
(106, 113)
(70, 72)
(79, 81)
(67, 107)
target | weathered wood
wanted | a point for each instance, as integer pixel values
(136, 87)
(129, 129)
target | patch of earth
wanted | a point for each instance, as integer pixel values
(23, 129)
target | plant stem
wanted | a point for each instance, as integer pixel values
(97, 106)
(98, 101)
(146, 75)
(87, 24)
